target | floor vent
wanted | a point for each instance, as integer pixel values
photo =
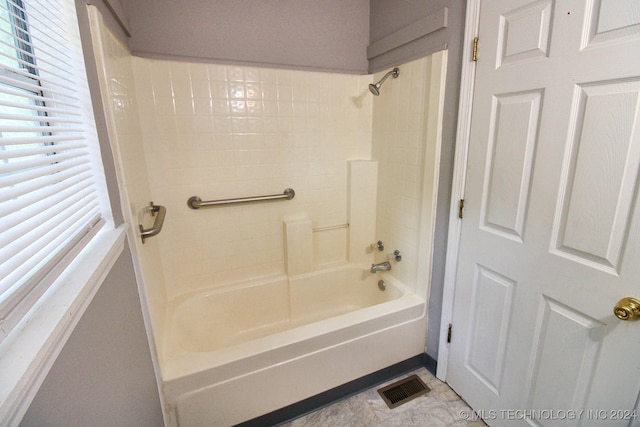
(403, 391)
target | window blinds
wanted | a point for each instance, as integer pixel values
(51, 180)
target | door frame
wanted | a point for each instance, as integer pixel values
(463, 130)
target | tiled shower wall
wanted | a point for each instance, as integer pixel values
(222, 131)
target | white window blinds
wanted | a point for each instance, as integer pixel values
(51, 181)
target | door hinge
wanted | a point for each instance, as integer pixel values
(460, 207)
(474, 56)
(449, 333)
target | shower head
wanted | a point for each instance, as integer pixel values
(375, 88)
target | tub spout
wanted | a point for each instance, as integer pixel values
(383, 266)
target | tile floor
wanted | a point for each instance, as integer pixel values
(440, 407)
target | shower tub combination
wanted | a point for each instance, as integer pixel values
(239, 352)
(231, 354)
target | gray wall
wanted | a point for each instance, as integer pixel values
(328, 35)
(104, 375)
(388, 17)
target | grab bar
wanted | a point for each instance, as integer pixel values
(195, 202)
(161, 211)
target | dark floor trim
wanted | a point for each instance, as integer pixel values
(341, 392)
(431, 364)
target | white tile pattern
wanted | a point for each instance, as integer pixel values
(221, 131)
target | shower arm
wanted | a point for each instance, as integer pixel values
(374, 88)
(393, 73)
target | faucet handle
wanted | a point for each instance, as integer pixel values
(379, 245)
(397, 255)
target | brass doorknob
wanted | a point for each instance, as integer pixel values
(627, 309)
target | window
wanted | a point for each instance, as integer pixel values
(51, 182)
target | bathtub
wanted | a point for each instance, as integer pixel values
(239, 352)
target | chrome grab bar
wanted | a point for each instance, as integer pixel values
(161, 211)
(196, 203)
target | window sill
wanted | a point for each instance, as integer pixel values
(28, 353)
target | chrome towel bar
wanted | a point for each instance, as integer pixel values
(195, 202)
(159, 212)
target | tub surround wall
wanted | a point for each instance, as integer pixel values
(362, 199)
(220, 131)
(117, 85)
(405, 143)
(298, 246)
(431, 185)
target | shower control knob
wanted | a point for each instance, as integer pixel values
(379, 245)
(397, 255)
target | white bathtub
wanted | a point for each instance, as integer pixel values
(236, 353)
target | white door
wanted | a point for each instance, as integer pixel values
(550, 239)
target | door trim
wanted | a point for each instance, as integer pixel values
(467, 84)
